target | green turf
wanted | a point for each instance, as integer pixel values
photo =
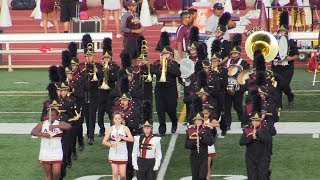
(38, 79)
(19, 155)
(295, 158)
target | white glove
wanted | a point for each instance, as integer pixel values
(156, 168)
(135, 168)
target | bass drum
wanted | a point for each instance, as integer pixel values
(283, 46)
(186, 68)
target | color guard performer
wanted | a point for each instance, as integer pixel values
(285, 67)
(116, 138)
(198, 138)
(166, 95)
(146, 154)
(50, 130)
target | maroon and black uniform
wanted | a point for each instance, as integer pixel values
(256, 151)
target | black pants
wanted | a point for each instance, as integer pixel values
(220, 103)
(129, 170)
(286, 72)
(147, 91)
(104, 107)
(146, 171)
(84, 115)
(166, 102)
(93, 108)
(66, 142)
(131, 47)
(257, 168)
(74, 131)
(199, 167)
(236, 101)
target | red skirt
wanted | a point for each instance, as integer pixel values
(212, 154)
(50, 162)
(47, 6)
(117, 162)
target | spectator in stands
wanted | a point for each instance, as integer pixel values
(213, 20)
(67, 12)
(131, 27)
(46, 7)
(183, 37)
(193, 15)
(112, 7)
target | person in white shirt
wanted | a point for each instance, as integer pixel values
(50, 155)
(116, 138)
(213, 20)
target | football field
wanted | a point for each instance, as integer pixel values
(23, 91)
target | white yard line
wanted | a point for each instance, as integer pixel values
(166, 160)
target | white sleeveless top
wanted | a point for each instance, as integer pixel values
(118, 153)
(51, 149)
(211, 149)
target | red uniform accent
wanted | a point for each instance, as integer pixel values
(144, 150)
(50, 162)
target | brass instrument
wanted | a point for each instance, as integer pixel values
(149, 77)
(163, 63)
(144, 48)
(90, 52)
(198, 140)
(87, 93)
(104, 84)
(264, 41)
(144, 56)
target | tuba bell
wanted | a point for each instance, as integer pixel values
(264, 41)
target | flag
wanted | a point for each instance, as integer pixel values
(263, 22)
(312, 65)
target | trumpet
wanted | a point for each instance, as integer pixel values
(149, 77)
(90, 52)
(163, 63)
(104, 84)
(87, 93)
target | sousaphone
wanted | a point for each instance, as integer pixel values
(264, 41)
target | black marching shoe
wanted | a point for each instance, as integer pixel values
(173, 129)
(162, 134)
(74, 156)
(81, 147)
(223, 132)
(90, 141)
(69, 165)
(101, 134)
(291, 104)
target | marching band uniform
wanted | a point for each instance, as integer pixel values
(256, 151)
(284, 67)
(131, 118)
(110, 78)
(146, 154)
(199, 148)
(91, 70)
(166, 94)
(233, 96)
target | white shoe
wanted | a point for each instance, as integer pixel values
(119, 36)
(50, 25)
(111, 18)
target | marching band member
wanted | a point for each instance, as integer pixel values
(93, 73)
(256, 137)
(76, 84)
(210, 122)
(116, 138)
(131, 118)
(166, 95)
(198, 138)
(50, 130)
(218, 70)
(233, 95)
(146, 154)
(285, 68)
(110, 70)
(146, 80)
